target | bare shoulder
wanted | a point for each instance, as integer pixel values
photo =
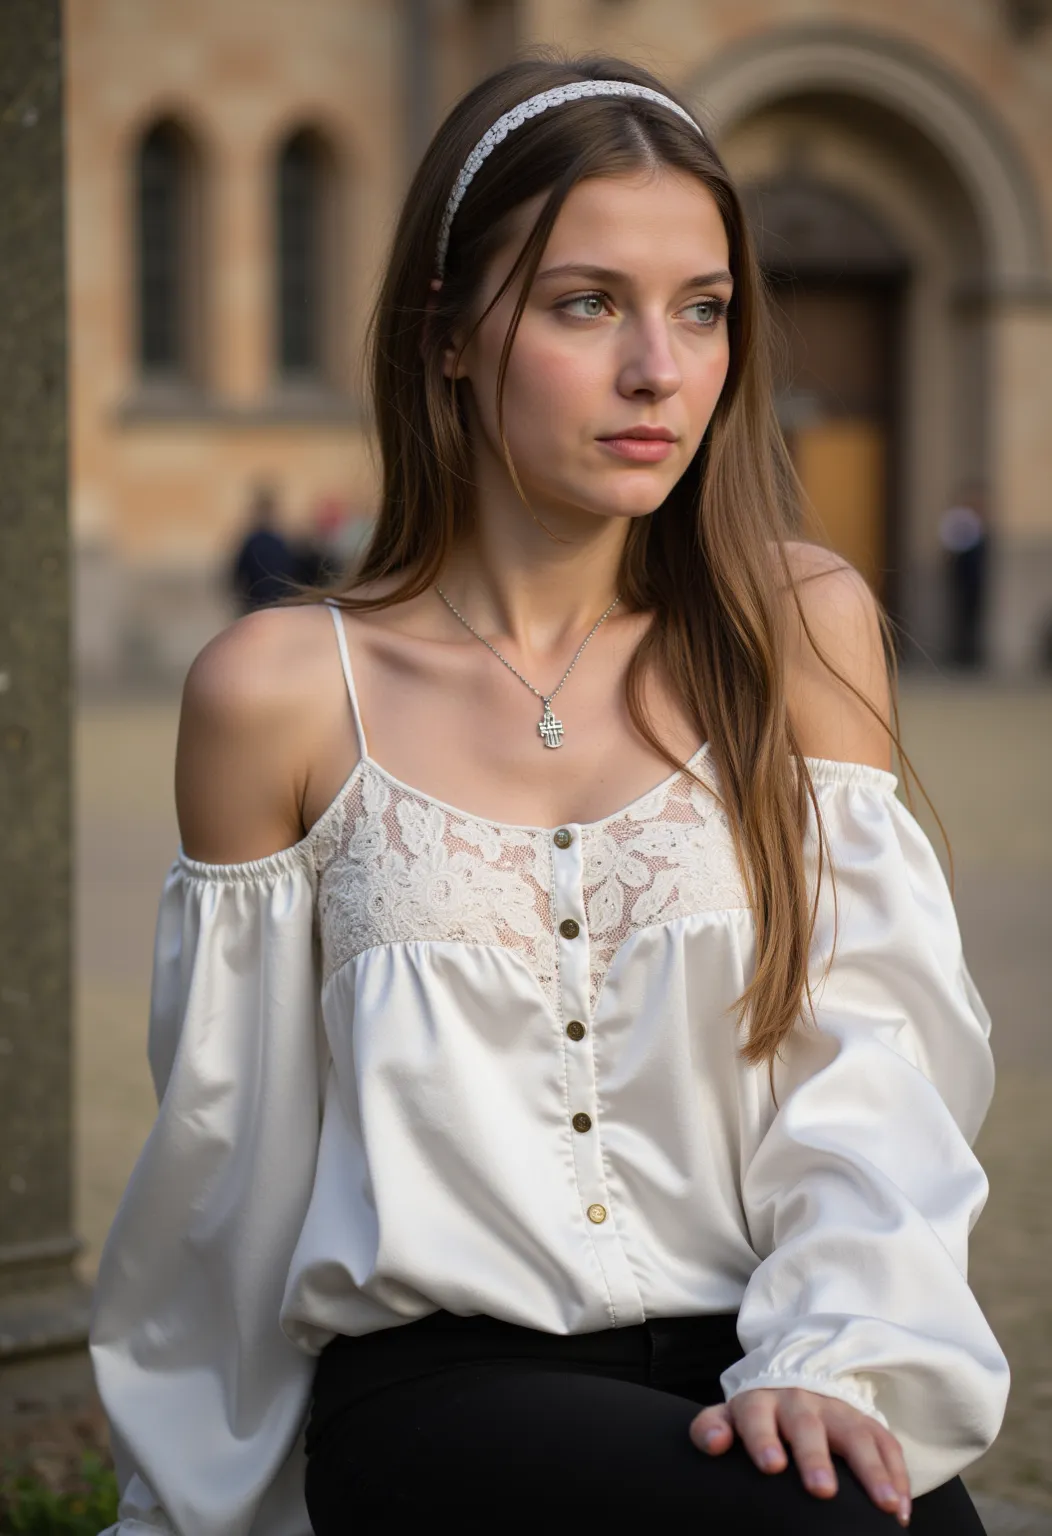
(832, 622)
(253, 703)
(256, 664)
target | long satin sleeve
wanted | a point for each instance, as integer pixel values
(204, 1393)
(862, 1190)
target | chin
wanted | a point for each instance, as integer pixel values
(610, 506)
(634, 500)
(630, 511)
(605, 497)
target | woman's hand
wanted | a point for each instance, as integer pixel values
(814, 1425)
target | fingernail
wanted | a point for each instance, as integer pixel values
(771, 1457)
(710, 1437)
(820, 1479)
(885, 1494)
(904, 1512)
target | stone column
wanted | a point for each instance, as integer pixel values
(42, 1307)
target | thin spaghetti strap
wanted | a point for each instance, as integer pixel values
(348, 675)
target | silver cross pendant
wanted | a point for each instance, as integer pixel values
(551, 729)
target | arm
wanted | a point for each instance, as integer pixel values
(204, 1393)
(861, 1334)
(247, 733)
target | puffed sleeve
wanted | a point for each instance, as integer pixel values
(862, 1190)
(205, 1395)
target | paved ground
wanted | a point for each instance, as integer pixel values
(986, 759)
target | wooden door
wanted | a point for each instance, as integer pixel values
(834, 377)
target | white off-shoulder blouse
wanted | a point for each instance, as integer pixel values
(425, 1060)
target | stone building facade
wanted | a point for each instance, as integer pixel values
(243, 163)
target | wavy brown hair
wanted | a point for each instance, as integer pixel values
(709, 564)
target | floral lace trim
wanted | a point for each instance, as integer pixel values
(670, 855)
(395, 867)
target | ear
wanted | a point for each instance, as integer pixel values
(450, 367)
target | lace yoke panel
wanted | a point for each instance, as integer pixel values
(395, 867)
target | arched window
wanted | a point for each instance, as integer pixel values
(168, 251)
(305, 225)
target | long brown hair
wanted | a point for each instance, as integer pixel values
(709, 564)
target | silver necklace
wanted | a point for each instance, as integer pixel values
(550, 729)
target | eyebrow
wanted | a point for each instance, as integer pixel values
(610, 275)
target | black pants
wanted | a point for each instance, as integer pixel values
(498, 1427)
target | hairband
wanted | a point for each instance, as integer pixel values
(533, 107)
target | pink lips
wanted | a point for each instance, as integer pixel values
(641, 445)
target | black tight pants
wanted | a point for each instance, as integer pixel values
(496, 1427)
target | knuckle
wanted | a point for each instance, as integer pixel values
(855, 1430)
(846, 1417)
(749, 1411)
(805, 1428)
(865, 1458)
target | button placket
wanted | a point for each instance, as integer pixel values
(574, 984)
(585, 1125)
(571, 929)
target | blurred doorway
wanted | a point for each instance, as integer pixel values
(838, 283)
(835, 387)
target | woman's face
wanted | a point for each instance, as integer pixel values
(621, 352)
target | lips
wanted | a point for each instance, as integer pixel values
(640, 445)
(643, 434)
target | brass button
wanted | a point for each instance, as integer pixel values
(575, 1029)
(597, 1213)
(569, 928)
(563, 838)
(582, 1122)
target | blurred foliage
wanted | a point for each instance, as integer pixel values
(28, 1507)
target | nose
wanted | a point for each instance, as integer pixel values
(649, 369)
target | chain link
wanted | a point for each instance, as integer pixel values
(545, 698)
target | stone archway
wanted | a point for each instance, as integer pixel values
(914, 87)
(865, 119)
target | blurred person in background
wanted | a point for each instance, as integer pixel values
(540, 1139)
(964, 537)
(266, 567)
(336, 542)
(321, 558)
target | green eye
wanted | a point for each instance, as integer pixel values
(589, 305)
(714, 310)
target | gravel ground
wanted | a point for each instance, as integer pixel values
(985, 756)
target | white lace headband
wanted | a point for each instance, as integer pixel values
(532, 107)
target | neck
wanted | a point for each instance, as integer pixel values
(538, 603)
(511, 579)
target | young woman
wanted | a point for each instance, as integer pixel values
(559, 1026)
